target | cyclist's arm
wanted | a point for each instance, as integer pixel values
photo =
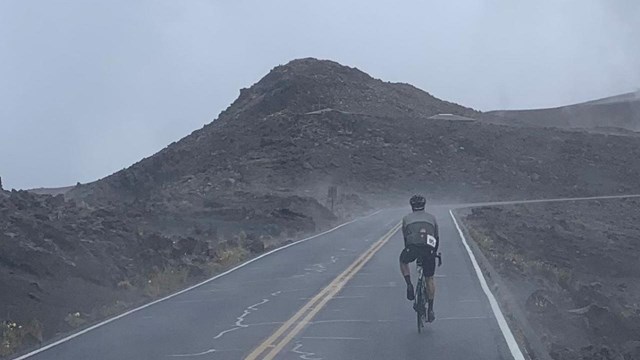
(404, 229)
(436, 235)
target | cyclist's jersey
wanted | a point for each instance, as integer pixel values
(420, 229)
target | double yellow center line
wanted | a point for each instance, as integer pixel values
(285, 333)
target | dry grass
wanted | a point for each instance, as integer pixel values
(165, 281)
(562, 276)
(113, 309)
(15, 335)
(232, 255)
(125, 285)
(75, 320)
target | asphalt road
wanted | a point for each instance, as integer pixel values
(367, 317)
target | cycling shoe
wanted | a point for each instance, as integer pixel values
(431, 316)
(410, 294)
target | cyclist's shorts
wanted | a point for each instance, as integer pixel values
(424, 254)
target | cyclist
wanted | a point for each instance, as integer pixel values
(421, 240)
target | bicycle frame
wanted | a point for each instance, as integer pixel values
(420, 302)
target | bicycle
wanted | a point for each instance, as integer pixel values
(420, 301)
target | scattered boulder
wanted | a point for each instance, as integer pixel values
(539, 302)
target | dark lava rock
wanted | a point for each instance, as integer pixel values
(582, 257)
(539, 302)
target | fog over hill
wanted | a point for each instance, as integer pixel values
(621, 112)
(259, 175)
(313, 123)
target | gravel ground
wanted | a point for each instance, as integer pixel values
(572, 269)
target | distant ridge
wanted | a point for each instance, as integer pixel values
(451, 117)
(620, 111)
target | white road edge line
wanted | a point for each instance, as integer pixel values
(537, 201)
(502, 322)
(84, 331)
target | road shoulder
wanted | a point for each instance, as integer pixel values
(526, 338)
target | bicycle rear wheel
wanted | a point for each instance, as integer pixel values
(419, 305)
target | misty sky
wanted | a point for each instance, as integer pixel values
(90, 87)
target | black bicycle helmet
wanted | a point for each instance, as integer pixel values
(417, 202)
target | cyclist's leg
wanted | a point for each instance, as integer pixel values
(404, 268)
(431, 288)
(407, 256)
(429, 268)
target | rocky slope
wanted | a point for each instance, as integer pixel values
(64, 264)
(572, 269)
(311, 123)
(268, 124)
